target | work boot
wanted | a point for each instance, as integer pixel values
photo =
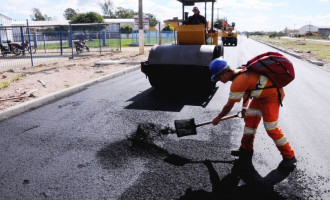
(245, 160)
(242, 153)
(287, 164)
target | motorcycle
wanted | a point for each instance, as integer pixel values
(80, 46)
(8, 49)
(26, 47)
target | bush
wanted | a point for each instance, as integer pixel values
(168, 28)
(309, 33)
(273, 35)
(128, 29)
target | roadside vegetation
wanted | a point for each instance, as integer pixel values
(298, 43)
(4, 84)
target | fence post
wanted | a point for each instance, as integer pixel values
(35, 43)
(44, 38)
(132, 36)
(61, 47)
(99, 36)
(28, 29)
(22, 39)
(70, 40)
(103, 37)
(119, 37)
(160, 34)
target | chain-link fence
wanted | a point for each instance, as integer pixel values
(154, 37)
(24, 45)
(30, 43)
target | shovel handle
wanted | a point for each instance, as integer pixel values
(222, 119)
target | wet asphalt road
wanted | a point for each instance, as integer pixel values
(76, 147)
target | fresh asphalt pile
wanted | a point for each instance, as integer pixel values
(149, 134)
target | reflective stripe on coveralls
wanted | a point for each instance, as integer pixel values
(269, 111)
(281, 142)
(236, 95)
(249, 131)
(261, 84)
(270, 125)
(253, 112)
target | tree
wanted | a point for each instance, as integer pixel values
(309, 33)
(168, 27)
(123, 13)
(126, 29)
(69, 13)
(152, 20)
(107, 7)
(48, 18)
(37, 15)
(90, 17)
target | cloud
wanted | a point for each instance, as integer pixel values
(253, 22)
(251, 4)
(317, 20)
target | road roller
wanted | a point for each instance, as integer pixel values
(185, 63)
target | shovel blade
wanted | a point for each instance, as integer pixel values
(185, 127)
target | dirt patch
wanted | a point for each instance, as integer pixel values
(45, 79)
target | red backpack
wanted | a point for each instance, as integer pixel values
(275, 66)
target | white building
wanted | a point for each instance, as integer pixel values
(308, 28)
(5, 21)
(121, 21)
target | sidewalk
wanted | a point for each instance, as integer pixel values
(62, 78)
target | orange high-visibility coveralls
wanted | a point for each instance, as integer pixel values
(265, 104)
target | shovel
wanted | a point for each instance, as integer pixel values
(187, 127)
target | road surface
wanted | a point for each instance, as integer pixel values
(77, 147)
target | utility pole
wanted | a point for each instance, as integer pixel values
(218, 13)
(141, 32)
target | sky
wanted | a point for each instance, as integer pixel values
(248, 15)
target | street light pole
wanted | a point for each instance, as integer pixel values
(218, 13)
(141, 32)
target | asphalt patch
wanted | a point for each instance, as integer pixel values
(145, 142)
(149, 134)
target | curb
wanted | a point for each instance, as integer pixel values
(315, 62)
(20, 108)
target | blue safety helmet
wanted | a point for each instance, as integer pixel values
(216, 67)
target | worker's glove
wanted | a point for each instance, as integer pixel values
(244, 109)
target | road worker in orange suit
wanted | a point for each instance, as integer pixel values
(265, 104)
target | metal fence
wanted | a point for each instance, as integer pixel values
(24, 45)
(30, 43)
(154, 37)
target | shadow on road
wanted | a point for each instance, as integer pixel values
(166, 175)
(172, 101)
(230, 187)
